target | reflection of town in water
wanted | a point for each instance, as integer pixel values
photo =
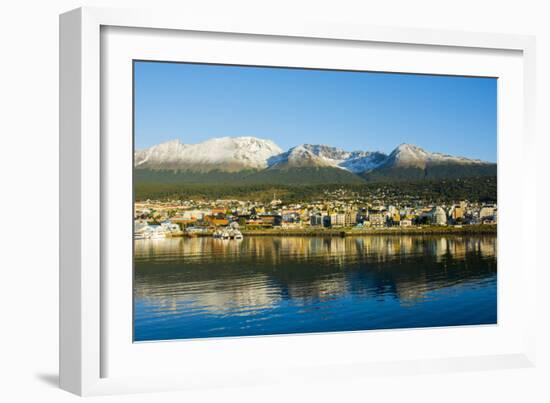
(202, 287)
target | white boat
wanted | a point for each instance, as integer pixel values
(141, 230)
(229, 233)
(158, 235)
(157, 232)
(171, 229)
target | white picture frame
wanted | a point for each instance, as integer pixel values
(93, 349)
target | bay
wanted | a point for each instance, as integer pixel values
(203, 287)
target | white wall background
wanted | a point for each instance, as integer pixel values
(29, 201)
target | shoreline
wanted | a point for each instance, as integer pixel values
(345, 232)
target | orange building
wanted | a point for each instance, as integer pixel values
(216, 221)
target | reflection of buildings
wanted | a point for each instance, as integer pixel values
(319, 289)
(259, 272)
(346, 249)
(411, 292)
(216, 297)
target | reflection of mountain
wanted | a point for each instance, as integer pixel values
(260, 272)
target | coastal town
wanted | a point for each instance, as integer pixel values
(336, 213)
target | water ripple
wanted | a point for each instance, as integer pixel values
(202, 287)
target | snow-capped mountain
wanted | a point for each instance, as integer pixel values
(408, 162)
(299, 156)
(228, 154)
(409, 155)
(366, 161)
(239, 154)
(332, 154)
(316, 155)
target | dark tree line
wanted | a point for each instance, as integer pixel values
(481, 189)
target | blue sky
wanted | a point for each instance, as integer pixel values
(350, 110)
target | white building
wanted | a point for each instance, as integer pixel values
(337, 220)
(405, 222)
(487, 212)
(438, 216)
(377, 220)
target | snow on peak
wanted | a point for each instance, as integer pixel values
(300, 156)
(411, 155)
(363, 161)
(222, 153)
(320, 155)
(327, 152)
(233, 154)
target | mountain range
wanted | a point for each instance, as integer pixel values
(254, 160)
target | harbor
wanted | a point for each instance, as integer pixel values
(143, 230)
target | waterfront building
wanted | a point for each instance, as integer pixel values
(362, 215)
(216, 221)
(274, 220)
(405, 211)
(456, 213)
(395, 217)
(194, 214)
(337, 220)
(316, 220)
(487, 212)
(291, 216)
(438, 216)
(350, 219)
(218, 211)
(184, 221)
(377, 219)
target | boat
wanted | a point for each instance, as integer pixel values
(230, 233)
(170, 229)
(158, 233)
(141, 230)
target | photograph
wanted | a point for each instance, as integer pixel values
(275, 202)
(289, 200)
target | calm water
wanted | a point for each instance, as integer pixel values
(203, 287)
